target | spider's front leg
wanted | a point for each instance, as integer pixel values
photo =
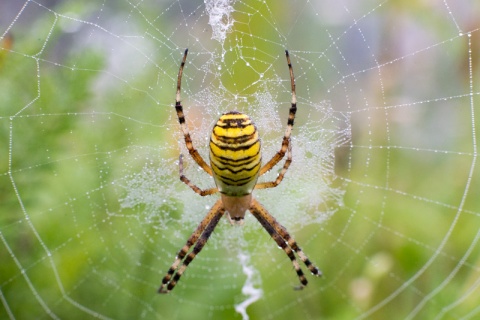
(291, 119)
(181, 119)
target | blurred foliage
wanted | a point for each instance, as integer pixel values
(61, 178)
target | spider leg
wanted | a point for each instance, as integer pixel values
(291, 117)
(198, 238)
(273, 184)
(258, 213)
(187, 181)
(181, 119)
(284, 240)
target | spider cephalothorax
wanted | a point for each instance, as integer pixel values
(235, 165)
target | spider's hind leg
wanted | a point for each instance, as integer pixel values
(198, 238)
(281, 236)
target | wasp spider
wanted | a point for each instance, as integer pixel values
(235, 165)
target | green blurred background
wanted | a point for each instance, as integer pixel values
(92, 211)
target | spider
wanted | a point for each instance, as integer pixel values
(235, 165)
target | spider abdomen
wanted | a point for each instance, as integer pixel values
(235, 155)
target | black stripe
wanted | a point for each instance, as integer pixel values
(234, 160)
(179, 109)
(234, 183)
(236, 171)
(291, 117)
(246, 159)
(232, 140)
(245, 147)
(245, 162)
(235, 123)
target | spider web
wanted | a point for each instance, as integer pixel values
(382, 194)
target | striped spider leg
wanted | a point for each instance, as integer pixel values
(235, 165)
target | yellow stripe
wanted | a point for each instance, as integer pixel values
(233, 154)
(234, 135)
(234, 115)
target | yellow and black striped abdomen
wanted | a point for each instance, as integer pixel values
(235, 155)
